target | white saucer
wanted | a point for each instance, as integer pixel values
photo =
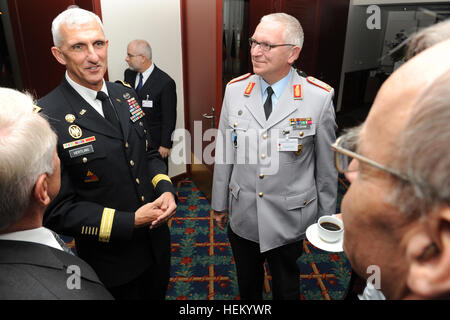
(312, 233)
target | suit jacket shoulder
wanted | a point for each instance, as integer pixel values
(162, 75)
(34, 271)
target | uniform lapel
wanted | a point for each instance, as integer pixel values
(121, 106)
(85, 115)
(285, 105)
(254, 102)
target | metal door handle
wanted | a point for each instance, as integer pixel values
(210, 116)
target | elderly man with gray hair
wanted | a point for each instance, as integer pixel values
(285, 179)
(397, 209)
(33, 263)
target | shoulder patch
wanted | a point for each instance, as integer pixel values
(36, 109)
(319, 83)
(245, 76)
(125, 84)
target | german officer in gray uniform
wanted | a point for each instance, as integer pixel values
(274, 171)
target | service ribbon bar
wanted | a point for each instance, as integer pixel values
(78, 142)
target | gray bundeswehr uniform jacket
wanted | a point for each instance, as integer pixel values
(271, 195)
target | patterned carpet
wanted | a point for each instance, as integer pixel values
(202, 262)
(203, 268)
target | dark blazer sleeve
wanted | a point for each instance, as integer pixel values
(169, 112)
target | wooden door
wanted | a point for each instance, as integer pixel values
(31, 23)
(202, 73)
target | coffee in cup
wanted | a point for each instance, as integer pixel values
(331, 229)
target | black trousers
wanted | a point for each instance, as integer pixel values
(282, 263)
(152, 283)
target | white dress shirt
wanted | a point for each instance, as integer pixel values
(145, 75)
(88, 94)
(40, 235)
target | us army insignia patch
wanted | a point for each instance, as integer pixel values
(75, 131)
(90, 177)
(70, 118)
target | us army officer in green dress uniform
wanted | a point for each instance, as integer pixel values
(115, 198)
(274, 173)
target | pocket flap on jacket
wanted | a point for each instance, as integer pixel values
(301, 200)
(238, 123)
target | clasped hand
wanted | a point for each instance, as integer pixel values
(157, 212)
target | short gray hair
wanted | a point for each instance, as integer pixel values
(294, 31)
(423, 153)
(143, 47)
(73, 18)
(428, 37)
(27, 146)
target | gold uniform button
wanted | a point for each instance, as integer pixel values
(235, 124)
(261, 194)
(304, 202)
(84, 160)
(132, 163)
(263, 156)
(261, 176)
(301, 133)
(142, 199)
(137, 181)
(126, 145)
(265, 136)
(141, 123)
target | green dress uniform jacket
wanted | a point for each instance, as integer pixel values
(272, 195)
(106, 175)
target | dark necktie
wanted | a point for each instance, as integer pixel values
(268, 103)
(140, 84)
(108, 109)
(62, 243)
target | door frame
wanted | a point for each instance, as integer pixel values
(218, 84)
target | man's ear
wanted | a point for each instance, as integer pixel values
(429, 256)
(295, 52)
(58, 55)
(40, 191)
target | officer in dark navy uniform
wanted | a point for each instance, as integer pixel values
(115, 198)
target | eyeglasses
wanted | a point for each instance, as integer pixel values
(133, 55)
(344, 152)
(266, 46)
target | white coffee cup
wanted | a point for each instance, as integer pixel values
(331, 229)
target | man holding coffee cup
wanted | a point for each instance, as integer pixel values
(269, 211)
(397, 210)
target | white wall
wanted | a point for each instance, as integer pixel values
(158, 22)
